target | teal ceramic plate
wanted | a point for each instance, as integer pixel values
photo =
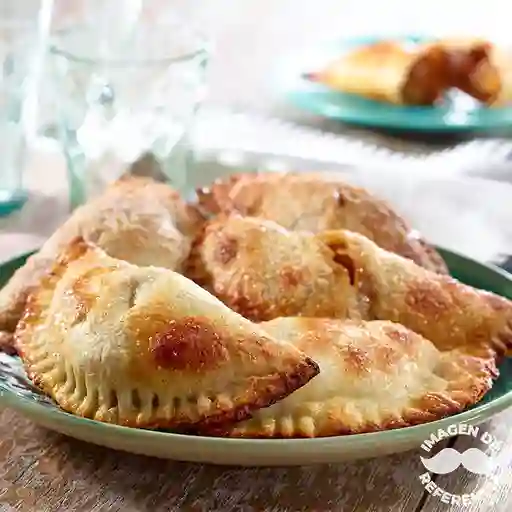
(18, 393)
(458, 112)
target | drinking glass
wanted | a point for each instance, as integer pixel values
(23, 30)
(127, 97)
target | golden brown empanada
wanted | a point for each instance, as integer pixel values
(263, 271)
(373, 376)
(136, 219)
(317, 202)
(494, 77)
(146, 347)
(479, 68)
(469, 68)
(444, 310)
(389, 71)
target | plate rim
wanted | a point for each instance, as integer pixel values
(303, 446)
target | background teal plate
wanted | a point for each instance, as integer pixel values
(458, 113)
(17, 392)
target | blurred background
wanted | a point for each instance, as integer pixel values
(226, 109)
(252, 35)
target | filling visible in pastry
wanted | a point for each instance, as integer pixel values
(264, 271)
(428, 77)
(136, 219)
(444, 310)
(493, 76)
(479, 68)
(420, 74)
(470, 68)
(146, 347)
(373, 376)
(317, 202)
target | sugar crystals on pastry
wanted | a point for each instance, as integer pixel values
(447, 312)
(135, 219)
(318, 202)
(373, 376)
(146, 347)
(264, 271)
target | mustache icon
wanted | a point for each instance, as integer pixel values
(449, 459)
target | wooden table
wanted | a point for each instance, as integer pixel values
(43, 471)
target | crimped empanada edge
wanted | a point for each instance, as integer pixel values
(426, 408)
(268, 390)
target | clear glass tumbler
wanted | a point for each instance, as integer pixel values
(127, 98)
(24, 27)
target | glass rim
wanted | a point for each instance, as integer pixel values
(204, 49)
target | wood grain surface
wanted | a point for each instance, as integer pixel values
(44, 471)
(40, 470)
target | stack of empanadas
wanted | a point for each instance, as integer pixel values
(406, 73)
(281, 305)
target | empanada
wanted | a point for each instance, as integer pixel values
(480, 68)
(146, 347)
(263, 271)
(373, 376)
(494, 77)
(444, 310)
(469, 65)
(317, 202)
(136, 219)
(389, 71)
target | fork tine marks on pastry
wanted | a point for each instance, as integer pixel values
(341, 274)
(373, 376)
(444, 310)
(361, 328)
(174, 357)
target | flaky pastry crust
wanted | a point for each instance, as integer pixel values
(373, 376)
(389, 71)
(317, 202)
(135, 219)
(146, 347)
(265, 271)
(444, 310)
